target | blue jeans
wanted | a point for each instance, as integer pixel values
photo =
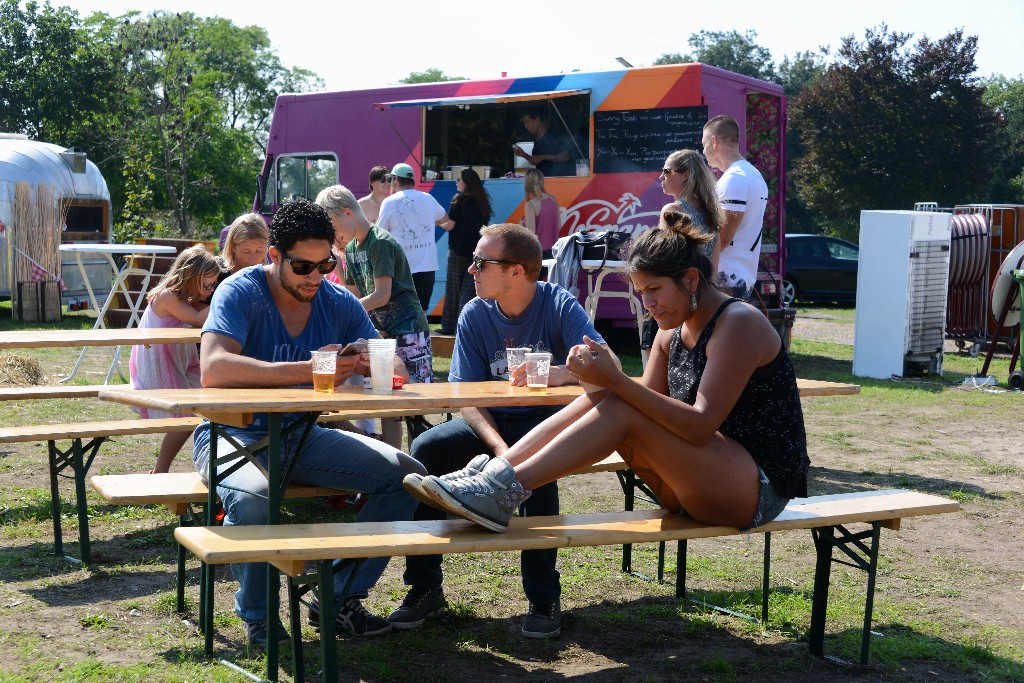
(448, 447)
(331, 458)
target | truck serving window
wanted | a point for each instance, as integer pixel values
(299, 175)
(481, 130)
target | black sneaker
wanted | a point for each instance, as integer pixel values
(543, 621)
(420, 604)
(256, 633)
(353, 618)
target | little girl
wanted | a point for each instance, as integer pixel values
(174, 302)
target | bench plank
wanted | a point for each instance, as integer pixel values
(289, 545)
(175, 489)
(31, 339)
(37, 392)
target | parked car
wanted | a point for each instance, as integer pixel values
(819, 268)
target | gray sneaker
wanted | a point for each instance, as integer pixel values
(489, 498)
(420, 604)
(413, 483)
(543, 621)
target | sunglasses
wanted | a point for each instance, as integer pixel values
(209, 287)
(478, 262)
(307, 267)
(670, 171)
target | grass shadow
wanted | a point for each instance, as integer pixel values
(824, 480)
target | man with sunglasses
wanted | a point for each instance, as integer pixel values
(511, 309)
(263, 323)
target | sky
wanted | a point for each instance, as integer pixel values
(356, 45)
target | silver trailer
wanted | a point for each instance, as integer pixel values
(83, 197)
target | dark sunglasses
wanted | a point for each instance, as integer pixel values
(670, 171)
(307, 267)
(478, 262)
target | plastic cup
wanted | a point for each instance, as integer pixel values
(515, 355)
(324, 367)
(538, 367)
(382, 364)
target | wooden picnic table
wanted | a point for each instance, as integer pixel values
(235, 407)
(34, 339)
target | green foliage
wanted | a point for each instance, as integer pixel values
(1006, 98)
(136, 217)
(669, 58)
(51, 75)
(887, 126)
(733, 51)
(431, 75)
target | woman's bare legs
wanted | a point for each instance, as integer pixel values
(716, 482)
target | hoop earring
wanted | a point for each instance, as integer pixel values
(693, 301)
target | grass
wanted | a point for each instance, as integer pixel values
(116, 621)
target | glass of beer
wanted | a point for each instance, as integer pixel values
(324, 366)
(538, 367)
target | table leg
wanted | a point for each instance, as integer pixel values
(274, 495)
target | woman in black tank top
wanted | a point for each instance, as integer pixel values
(713, 428)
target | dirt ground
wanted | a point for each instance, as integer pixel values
(951, 585)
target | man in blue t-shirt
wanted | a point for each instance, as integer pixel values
(264, 321)
(511, 309)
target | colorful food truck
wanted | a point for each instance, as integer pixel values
(622, 125)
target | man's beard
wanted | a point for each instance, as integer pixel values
(295, 291)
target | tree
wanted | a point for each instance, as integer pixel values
(796, 75)
(51, 75)
(195, 95)
(733, 51)
(886, 126)
(431, 75)
(1006, 98)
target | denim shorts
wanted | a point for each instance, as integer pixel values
(769, 504)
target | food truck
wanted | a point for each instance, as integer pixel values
(622, 124)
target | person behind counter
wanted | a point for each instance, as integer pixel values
(542, 216)
(552, 151)
(470, 210)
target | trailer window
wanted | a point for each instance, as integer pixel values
(303, 176)
(483, 134)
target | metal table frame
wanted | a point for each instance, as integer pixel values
(120, 284)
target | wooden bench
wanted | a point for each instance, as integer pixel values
(442, 344)
(180, 491)
(290, 546)
(87, 437)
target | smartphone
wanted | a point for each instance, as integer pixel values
(358, 346)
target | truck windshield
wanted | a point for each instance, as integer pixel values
(299, 175)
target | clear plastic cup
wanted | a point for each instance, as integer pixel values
(324, 367)
(382, 364)
(515, 355)
(538, 368)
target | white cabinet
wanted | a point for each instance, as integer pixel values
(901, 293)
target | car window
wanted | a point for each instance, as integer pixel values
(841, 250)
(803, 248)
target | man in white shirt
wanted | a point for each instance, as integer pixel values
(744, 196)
(410, 215)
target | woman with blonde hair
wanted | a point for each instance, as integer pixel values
(246, 244)
(542, 212)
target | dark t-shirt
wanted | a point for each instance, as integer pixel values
(468, 220)
(553, 143)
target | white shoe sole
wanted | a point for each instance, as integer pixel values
(413, 483)
(449, 504)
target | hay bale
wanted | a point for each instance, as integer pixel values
(16, 371)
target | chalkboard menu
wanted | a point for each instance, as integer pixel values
(636, 140)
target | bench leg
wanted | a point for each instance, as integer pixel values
(766, 577)
(79, 458)
(58, 536)
(179, 586)
(861, 556)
